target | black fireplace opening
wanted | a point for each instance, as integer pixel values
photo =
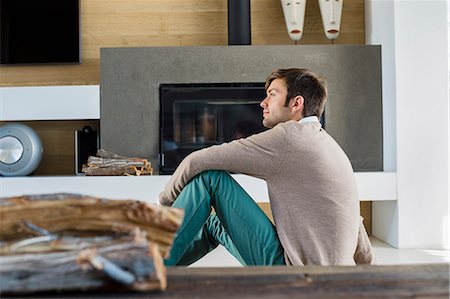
(197, 115)
(194, 116)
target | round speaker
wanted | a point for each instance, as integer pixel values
(20, 150)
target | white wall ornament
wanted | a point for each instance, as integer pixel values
(294, 15)
(331, 12)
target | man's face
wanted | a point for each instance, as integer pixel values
(274, 111)
(294, 15)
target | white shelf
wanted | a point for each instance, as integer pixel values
(49, 103)
(377, 186)
(374, 186)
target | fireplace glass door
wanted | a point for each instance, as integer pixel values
(194, 116)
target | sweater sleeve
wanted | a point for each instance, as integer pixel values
(364, 252)
(259, 155)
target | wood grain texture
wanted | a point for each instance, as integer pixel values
(94, 268)
(79, 215)
(365, 208)
(402, 281)
(141, 23)
(107, 163)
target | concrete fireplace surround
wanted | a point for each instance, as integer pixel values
(130, 79)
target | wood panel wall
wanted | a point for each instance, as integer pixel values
(136, 23)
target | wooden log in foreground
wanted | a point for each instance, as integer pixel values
(61, 242)
(403, 281)
(122, 266)
(71, 214)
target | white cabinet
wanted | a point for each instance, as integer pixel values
(372, 186)
(49, 103)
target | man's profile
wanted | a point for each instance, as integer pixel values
(312, 189)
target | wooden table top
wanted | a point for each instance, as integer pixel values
(402, 281)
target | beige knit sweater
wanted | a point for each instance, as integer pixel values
(312, 190)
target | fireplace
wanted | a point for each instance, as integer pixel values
(194, 116)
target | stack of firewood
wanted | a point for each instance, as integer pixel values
(107, 163)
(64, 242)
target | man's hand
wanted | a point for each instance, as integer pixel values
(164, 201)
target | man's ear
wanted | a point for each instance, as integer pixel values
(298, 103)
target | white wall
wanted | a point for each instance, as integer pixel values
(422, 121)
(379, 31)
(413, 35)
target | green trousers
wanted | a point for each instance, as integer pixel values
(238, 223)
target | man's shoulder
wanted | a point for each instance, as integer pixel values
(286, 125)
(295, 126)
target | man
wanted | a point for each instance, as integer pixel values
(312, 190)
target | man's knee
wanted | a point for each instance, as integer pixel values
(212, 175)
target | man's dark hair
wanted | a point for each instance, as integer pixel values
(305, 83)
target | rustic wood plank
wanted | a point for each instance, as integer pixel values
(119, 266)
(418, 281)
(402, 281)
(75, 215)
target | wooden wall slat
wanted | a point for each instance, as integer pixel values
(84, 74)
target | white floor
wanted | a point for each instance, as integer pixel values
(384, 254)
(387, 255)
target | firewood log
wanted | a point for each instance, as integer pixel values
(85, 216)
(125, 266)
(106, 154)
(107, 163)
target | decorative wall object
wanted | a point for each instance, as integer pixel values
(294, 16)
(331, 11)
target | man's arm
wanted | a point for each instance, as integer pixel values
(259, 155)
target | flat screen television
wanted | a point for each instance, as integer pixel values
(39, 31)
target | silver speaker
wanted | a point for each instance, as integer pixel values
(20, 150)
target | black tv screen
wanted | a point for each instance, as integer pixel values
(39, 31)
